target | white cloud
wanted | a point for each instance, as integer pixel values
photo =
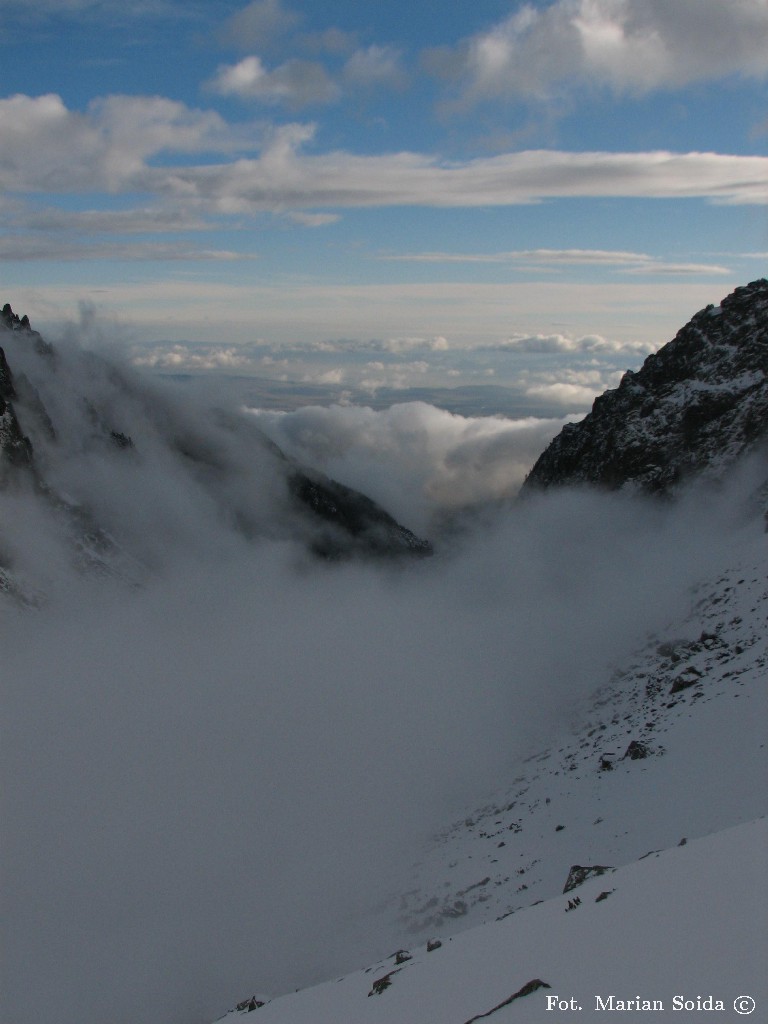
(296, 83)
(47, 147)
(139, 220)
(632, 46)
(561, 343)
(375, 66)
(568, 395)
(630, 262)
(407, 344)
(413, 179)
(31, 248)
(418, 461)
(313, 220)
(194, 358)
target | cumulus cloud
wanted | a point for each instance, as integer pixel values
(296, 83)
(562, 343)
(51, 148)
(194, 358)
(630, 46)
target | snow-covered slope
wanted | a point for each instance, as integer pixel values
(661, 751)
(681, 931)
(668, 755)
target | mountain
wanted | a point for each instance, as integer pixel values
(622, 866)
(65, 411)
(695, 407)
(235, 760)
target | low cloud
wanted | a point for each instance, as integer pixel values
(563, 343)
(421, 462)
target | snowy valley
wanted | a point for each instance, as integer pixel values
(259, 734)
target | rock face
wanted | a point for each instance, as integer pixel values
(15, 448)
(695, 406)
(354, 522)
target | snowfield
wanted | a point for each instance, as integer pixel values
(676, 928)
(661, 782)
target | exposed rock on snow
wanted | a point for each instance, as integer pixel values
(578, 875)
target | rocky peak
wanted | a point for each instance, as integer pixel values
(12, 321)
(695, 406)
(15, 448)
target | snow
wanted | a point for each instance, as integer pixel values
(690, 922)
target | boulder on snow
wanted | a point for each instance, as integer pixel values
(636, 751)
(579, 874)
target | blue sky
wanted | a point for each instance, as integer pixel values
(349, 192)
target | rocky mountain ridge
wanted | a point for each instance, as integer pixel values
(695, 407)
(58, 407)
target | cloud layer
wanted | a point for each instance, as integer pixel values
(110, 147)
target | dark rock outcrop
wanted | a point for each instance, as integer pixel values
(637, 751)
(15, 448)
(578, 875)
(355, 523)
(695, 406)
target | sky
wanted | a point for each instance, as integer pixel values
(533, 194)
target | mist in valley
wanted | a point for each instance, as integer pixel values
(221, 755)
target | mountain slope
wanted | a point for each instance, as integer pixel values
(77, 432)
(553, 885)
(652, 931)
(696, 406)
(670, 749)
